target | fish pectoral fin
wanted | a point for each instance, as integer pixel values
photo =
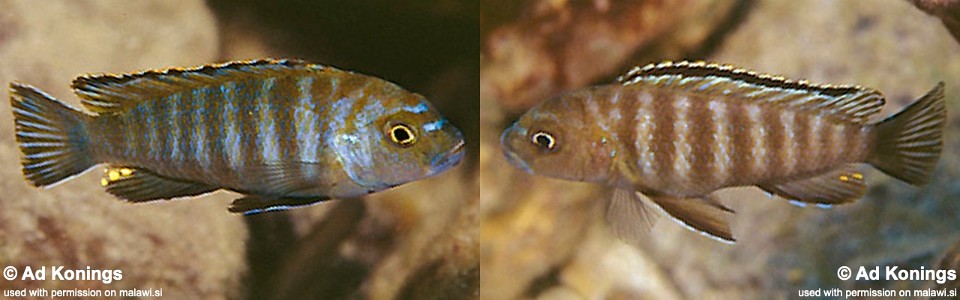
(840, 186)
(629, 218)
(283, 178)
(140, 185)
(255, 204)
(704, 214)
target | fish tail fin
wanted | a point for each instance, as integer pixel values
(52, 136)
(909, 142)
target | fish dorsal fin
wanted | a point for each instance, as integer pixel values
(849, 103)
(110, 93)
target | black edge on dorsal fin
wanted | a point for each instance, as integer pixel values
(850, 103)
(704, 69)
(112, 93)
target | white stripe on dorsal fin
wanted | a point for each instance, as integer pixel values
(111, 93)
(849, 103)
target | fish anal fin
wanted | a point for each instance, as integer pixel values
(140, 185)
(109, 93)
(703, 214)
(840, 186)
(255, 204)
(629, 218)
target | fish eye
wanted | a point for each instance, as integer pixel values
(402, 135)
(544, 140)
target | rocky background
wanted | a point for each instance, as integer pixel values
(543, 238)
(417, 241)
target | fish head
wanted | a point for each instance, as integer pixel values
(411, 141)
(552, 140)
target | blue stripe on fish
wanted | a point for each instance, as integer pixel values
(420, 108)
(434, 126)
(305, 122)
(232, 143)
(174, 135)
(199, 138)
(266, 129)
(150, 124)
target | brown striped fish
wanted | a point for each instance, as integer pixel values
(677, 132)
(284, 133)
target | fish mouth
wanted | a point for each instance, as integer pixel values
(447, 160)
(506, 142)
(516, 161)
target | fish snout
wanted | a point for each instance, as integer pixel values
(508, 140)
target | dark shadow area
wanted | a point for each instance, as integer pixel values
(274, 235)
(282, 267)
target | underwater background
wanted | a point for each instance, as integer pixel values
(415, 241)
(530, 237)
(546, 239)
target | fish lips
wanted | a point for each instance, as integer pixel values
(508, 141)
(447, 160)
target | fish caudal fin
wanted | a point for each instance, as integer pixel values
(51, 135)
(909, 142)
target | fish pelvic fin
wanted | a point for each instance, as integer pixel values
(256, 204)
(52, 136)
(703, 214)
(629, 217)
(909, 142)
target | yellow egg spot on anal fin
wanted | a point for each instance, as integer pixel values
(126, 171)
(113, 175)
(104, 182)
(844, 178)
(858, 176)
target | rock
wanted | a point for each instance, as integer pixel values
(947, 10)
(559, 45)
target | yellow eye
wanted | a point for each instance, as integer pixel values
(544, 140)
(402, 135)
